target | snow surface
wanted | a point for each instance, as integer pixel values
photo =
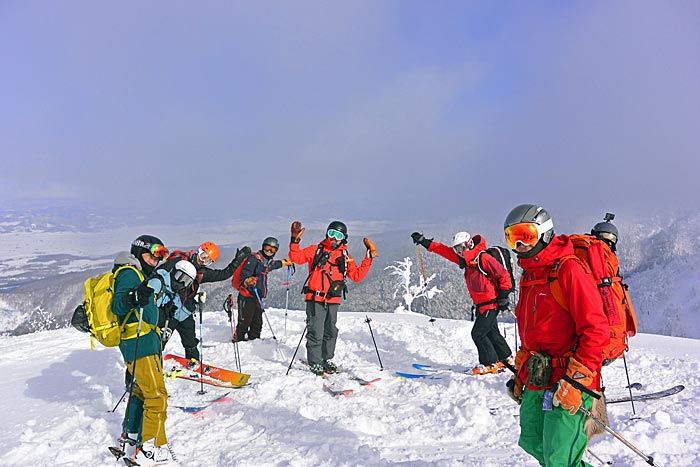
(57, 396)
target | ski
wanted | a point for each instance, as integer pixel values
(438, 368)
(402, 374)
(197, 409)
(647, 396)
(349, 373)
(198, 377)
(336, 392)
(234, 378)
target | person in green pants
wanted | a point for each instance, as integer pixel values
(562, 344)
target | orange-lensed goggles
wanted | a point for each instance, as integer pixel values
(525, 233)
(269, 249)
(159, 251)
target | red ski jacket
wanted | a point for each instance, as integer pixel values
(548, 328)
(482, 289)
(321, 276)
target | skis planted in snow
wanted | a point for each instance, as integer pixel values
(198, 409)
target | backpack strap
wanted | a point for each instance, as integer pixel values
(129, 330)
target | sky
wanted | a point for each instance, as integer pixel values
(375, 110)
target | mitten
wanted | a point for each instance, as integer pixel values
(566, 394)
(200, 297)
(252, 281)
(419, 239)
(297, 231)
(371, 249)
(138, 297)
(286, 262)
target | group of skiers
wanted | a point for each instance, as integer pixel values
(557, 366)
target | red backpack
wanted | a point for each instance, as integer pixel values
(236, 280)
(602, 262)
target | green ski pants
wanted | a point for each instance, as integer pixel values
(553, 437)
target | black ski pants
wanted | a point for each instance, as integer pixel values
(250, 319)
(490, 344)
(188, 336)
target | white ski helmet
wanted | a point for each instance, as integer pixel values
(463, 238)
(184, 273)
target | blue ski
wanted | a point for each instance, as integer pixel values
(401, 374)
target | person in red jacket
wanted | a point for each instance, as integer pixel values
(329, 266)
(488, 291)
(561, 351)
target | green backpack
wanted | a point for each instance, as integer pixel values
(95, 314)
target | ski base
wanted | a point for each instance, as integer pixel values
(230, 377)
(647, 396)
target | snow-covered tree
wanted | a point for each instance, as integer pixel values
(410, 292)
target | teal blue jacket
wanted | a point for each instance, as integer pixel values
(149, 344)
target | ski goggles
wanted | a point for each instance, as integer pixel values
(204, 257)
(183, 278)
(462, 247)
(159, 251)
(526, 233)
(269, 250)
(335, 235)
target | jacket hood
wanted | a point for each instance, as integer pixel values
(559, 246)
(479, 246)
(127, 259)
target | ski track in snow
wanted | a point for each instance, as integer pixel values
(57, 398)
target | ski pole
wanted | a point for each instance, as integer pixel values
(234, 340)
(598, 458)
(120, 400)
(629, 385)
(295, 351)
(425, 283)
(649, 460)
(286, 301)
(381, 367)
(201, 346)
(262, 309)
(125, 427)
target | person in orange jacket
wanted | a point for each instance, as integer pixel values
(561, 353)
(489, 285)
(330, 265)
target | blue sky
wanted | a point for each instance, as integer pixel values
(408, 110)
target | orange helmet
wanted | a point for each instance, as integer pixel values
(210, 249)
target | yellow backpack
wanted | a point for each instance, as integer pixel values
(95, 314)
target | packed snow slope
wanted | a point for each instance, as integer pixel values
(57, 396)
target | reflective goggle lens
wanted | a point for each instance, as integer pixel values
(270, 250)
(335, 234)
(159, 251)
(204, 258)
(183, 278)
(525, 233)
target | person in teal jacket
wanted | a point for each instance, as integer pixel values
(133, 300)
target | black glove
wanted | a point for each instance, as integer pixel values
(419, 239)
(138, 297)
(502, 301)
(241, 255)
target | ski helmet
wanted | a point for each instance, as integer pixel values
(210, 249)
(606, 231)
(148, 244)
(462, 237)
(270, 242)
(338, 227)
(182, 275)
(539, 222)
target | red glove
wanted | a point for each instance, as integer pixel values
(565, 394)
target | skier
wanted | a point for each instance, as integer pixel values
(329, 264)
(253, 276)
(561, 350)
(149, 398)
(201, 258)
(489, 293)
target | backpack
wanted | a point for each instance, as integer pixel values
(95, 314)
(236, 280)
(602, 262)
(503, 256)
